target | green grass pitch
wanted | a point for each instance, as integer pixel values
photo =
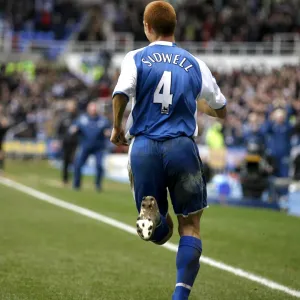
(47, 252)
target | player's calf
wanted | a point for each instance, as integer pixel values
(188, 255)
(151, 225)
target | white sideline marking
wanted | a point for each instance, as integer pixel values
(117, 224)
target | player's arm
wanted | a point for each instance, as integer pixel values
(124, 90)
(206, 109)
(118, 135)
(211, 101)
(119, 105)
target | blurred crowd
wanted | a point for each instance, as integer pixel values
(263, 116)
(35, 100)
(200, 20)
(39, 19)
(237, 21)
(263, 119)
(253, 97)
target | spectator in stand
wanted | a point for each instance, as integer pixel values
(94, 31)
(214, 136)
(252, 132)
(93, 129)
(233, 132)
(278, 132)
(26, 19)
(295, 153)
(68, 141)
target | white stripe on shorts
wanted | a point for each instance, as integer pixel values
(129, 167)
(184, 285)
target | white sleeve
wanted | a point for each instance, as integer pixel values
(210, 90)
(127, 80)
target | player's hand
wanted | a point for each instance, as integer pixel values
(118, 137)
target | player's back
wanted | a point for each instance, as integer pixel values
(168, 81)
(164, 82)
(162, 155)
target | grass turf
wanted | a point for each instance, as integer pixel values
(50, 253)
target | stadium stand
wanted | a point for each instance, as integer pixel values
(41, 20)
(253, 95)
(228, 20)
(236, 21)
(66, 238)
(259, 99)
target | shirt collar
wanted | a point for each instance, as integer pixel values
(163, 43)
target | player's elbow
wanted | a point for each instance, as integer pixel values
(221, 113)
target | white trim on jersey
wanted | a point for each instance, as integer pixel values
(127, 84)
(129, 168)
(210, 90)
(127, 79)
(163, 43)
(196, 120)
(129, 122)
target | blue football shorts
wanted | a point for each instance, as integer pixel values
(174, 165)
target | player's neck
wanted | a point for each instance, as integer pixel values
(170, 39)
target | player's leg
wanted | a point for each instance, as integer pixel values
(188, 255)
(151, 224)
(148, 184)
(99, 169)
(188, 194)
(79, 162)
(166, 237)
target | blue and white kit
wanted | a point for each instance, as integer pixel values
(164, 83)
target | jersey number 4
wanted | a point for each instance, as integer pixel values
(163, 94)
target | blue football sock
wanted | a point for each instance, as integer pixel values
(161, 231)
(187, 263)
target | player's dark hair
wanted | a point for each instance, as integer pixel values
(161, 16)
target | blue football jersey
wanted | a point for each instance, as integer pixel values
(164, 82)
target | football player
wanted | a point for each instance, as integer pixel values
(164, 83)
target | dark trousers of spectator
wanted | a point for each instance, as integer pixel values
(68, 157)
(80, 160)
